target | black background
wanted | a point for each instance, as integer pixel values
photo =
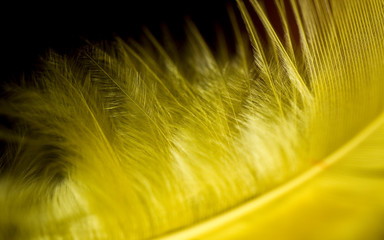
(28, 31)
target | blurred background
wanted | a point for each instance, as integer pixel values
(29, 30)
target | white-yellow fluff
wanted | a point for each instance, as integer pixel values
(130, 142)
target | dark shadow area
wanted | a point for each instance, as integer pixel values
(28, 31)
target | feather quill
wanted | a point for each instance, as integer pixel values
(133, 142)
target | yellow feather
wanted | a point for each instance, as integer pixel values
(283, 140)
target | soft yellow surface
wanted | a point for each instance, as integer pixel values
(338, 198)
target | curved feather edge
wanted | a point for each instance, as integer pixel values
(225, 225)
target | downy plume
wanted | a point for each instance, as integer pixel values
(282, 140)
